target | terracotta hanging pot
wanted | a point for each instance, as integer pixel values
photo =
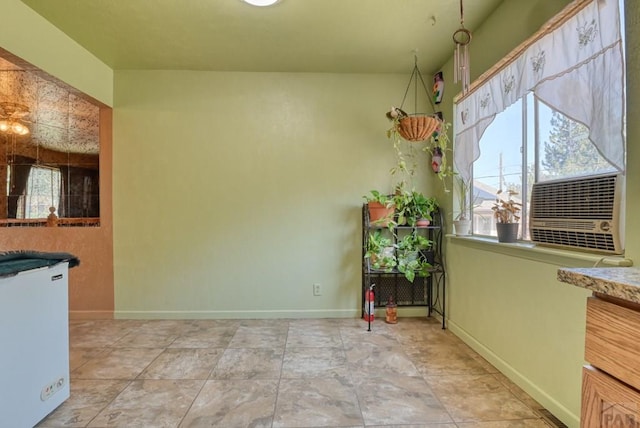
(417, 127)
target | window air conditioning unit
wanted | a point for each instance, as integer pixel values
(583, 213)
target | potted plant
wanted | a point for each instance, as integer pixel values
(506, 215)
(436, 143)
(411, 260)
(413, 208)
(381, 252)
(423, 207)
(381, 208)
(462, 221)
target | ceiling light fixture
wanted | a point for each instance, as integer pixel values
(11, 127)
(13, 113)
(462, 38)
(261, 2)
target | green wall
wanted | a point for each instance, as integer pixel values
(27, 35)
(235, 192)
(508, 305)
(632, 17)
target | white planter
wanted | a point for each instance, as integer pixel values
(462, 227)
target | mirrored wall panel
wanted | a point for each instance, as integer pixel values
(49, 152)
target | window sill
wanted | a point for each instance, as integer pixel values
(530, 251)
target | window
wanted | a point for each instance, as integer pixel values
(42, 191)
(564, 149)
(547, 143)
(554, 108)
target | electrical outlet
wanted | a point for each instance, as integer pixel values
(317, 290)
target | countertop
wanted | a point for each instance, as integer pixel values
(620, 282)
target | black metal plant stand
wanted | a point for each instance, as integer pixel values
(428, 291)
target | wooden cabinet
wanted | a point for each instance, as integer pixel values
(607, 402)
(611, 383)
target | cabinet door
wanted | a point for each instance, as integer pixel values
(607, 402)
(612, 340)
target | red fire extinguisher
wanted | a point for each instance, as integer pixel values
(369, 298)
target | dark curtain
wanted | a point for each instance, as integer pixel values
(79, 193)
(20, 169)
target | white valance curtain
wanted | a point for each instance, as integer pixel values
(576, 68)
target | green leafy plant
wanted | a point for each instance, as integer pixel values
(440, 139)
(381, 198)
(412, 206)
(406, 152)
(414, 242)
(381, 252)
(406, 163)
(411, 262)
(382, 215)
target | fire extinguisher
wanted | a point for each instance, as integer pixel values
(369, 298)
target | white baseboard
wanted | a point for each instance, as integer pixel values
(516, 377)
(263, 314)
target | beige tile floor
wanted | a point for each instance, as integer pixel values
(283, 373)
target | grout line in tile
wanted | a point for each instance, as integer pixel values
(344, 329)
(192, 402)
(111, 401)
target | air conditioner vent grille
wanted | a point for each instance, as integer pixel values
(569, 238)
(568, 224)
(586, 198)
(582, 213)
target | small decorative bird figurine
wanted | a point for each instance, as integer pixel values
(396, 113)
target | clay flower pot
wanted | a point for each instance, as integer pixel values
(380, 214)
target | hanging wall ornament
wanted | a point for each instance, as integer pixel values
(436, 159)
(436, 134)
(462, 38)
(438, 87)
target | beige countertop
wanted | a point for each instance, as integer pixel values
(620, 282)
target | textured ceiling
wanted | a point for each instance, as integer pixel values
(56, 117)
(336, 36)
(342, 36)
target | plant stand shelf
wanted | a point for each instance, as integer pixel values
(428, 291)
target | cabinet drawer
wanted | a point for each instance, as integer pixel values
(612, 341)
(607, 402)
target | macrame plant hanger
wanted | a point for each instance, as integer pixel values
(417, 126)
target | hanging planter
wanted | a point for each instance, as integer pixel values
(430, 129)
(416, 126)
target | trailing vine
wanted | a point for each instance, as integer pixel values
(406, 163)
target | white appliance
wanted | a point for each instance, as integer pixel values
(34, 344)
